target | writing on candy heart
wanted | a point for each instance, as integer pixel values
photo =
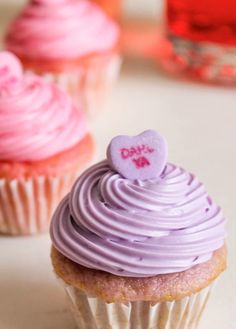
(137, 154)
(140, 157)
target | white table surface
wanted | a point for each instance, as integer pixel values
(199, 123)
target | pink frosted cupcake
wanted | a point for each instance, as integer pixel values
(70, 42)
(44, 142)
(138, 242)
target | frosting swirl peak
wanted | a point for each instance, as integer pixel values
(138, 228)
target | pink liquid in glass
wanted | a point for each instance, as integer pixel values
(201, 39)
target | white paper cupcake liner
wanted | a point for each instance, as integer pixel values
(27, 205)
(93, 313)
(89, 85)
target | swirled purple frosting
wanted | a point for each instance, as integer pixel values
(138, 228)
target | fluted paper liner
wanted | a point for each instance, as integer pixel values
(27, 205)
(93, 313)
(89, 85)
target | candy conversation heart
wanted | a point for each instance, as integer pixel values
(10, 69)
(140, 157)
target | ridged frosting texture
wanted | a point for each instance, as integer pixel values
(37, 120)
(138, 228)
(63, 29)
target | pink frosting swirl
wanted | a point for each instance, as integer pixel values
(64, 29)
(138, 228)
(37, 120)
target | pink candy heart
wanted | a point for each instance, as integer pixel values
(140, 157)
(10, 69)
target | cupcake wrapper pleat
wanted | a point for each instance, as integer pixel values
(27, 205)
(89, 85)
(93, 313)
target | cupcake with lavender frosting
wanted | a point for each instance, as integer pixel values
(138, 242)
(70, 42)
(44, 143)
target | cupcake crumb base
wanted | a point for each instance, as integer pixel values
(157, 289)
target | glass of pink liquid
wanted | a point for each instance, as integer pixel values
(200, 39)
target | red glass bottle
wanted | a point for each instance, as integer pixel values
(201, 39)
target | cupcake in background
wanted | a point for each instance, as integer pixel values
(70, 42)
(44, 143)
(138, 242)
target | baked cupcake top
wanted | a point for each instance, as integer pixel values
(61, 29)
(37, 119)
(136, 215)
